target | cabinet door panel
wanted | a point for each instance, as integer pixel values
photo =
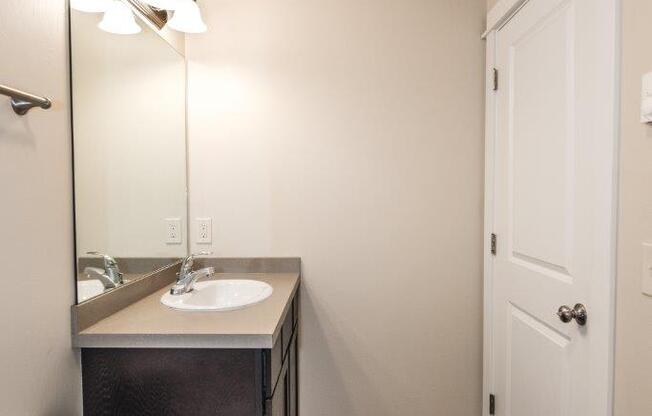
(293, 371)
(158, 382)
(278, 404)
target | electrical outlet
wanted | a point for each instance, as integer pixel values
(646, 278)
(204, 231)
(173, 231)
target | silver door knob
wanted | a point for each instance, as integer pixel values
(566, 314)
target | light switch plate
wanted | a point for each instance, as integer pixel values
(204, 231)
(173, 231)
(646, 278)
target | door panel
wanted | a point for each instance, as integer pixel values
(535, 389)
(553, 209)
(541, 140)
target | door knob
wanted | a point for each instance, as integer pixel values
(566, 314)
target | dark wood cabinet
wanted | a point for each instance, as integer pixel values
(194, 382)
(293, 361)
(284, 398)
(277, 405)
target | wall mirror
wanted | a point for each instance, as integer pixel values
(129, 138)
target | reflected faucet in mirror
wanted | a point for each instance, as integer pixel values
(187, 277)
(110, 276)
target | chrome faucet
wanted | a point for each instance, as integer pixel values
(187, 278)
(110, 276)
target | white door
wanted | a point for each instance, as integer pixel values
(553, 209)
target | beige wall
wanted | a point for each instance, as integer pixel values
(491, 3)
(350, 133)
(40, 372)
(634, 313)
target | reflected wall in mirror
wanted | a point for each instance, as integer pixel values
(129, 123)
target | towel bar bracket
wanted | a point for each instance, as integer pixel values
(22, 107)
(22, 101)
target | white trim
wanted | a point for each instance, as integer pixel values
(501, 13)
(612, 45)
(615, 186)
(490, 138)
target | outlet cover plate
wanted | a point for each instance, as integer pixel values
(204, 231)
(173, 231)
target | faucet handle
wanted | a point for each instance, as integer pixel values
(97, 253)
(191, 257)
(186, 265)
(107, 259)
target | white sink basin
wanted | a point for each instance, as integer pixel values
(87, 289)
(220, 295)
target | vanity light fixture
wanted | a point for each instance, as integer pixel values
(187, 18)
(119, 14)
(119, 19)
(163, 4)
(91, 6)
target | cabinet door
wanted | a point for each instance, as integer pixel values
(157, 382)
(278, 404)
(293, 371)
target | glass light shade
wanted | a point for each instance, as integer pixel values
(187, 18)
(163, 4)
(119, 19)
(91, 6)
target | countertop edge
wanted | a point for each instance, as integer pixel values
(192, 340)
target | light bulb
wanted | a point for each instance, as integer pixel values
(119, 19)
(187, 18)
(91, 6)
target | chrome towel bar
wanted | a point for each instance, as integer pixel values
(22, 101)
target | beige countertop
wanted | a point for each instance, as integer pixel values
(149, 324)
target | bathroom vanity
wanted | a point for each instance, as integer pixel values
(140, 354)
(149, 359)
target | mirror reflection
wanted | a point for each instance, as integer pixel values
(129, 141)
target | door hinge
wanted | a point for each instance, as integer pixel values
(494, 242)
(495, 79)
(492, 404)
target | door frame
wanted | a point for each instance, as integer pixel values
(610, 39)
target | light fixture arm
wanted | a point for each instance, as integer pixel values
(157, 17)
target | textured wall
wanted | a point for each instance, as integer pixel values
(634, 310)
(40, 372)
(350, 133)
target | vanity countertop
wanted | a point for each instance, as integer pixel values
(149, 324)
